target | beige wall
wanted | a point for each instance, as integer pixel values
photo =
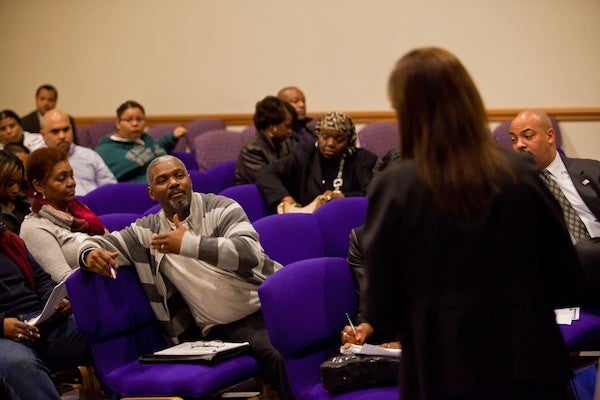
(221, 56)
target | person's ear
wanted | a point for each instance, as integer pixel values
(151, 193)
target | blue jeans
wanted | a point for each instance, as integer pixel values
(25, 369)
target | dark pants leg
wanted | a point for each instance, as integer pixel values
(252, 329)
(588, 251)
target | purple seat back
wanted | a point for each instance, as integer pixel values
(336, 219)
(221, 175)
(122, 197)
(379, 137)
(82, 135)
(582, 334)
(188, 158)
(115, 317)
(159, 130)
(199, 126)
(217, 146)
(250, 198)
(315, 293)
(201, 182)
(290, 237)
(118, 221)
(97, 130)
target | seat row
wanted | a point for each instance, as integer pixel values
(116, 318)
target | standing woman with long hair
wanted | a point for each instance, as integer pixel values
(465, 250)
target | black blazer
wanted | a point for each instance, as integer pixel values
(471, 299)
(585, 175)
(31, 122)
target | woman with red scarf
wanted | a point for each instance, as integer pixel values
(29, 353)
(58, 222)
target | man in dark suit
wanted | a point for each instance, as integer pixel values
(578, 179)
(45, 100)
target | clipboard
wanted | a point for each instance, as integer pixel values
(58, 293)
(209, 352)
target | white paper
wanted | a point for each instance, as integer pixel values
(566, 316)
(58, 293)
(371, 350)
(199, 348)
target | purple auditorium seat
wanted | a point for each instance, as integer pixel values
(290, 237)
(99, 129)
(122, 197)
(201, 182)
(159, 130)
(583, 334)
(118, 221)
(250, 198)
(336, 219)
(188, 158)
(222, 175)
(379, 137)
(81, 135)
(199, 126)
(315, 293)
(115, 317)
(217, 146)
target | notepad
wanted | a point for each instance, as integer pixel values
(199, 351)
(58, 293)
(370, 350)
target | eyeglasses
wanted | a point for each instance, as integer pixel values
(131, 119)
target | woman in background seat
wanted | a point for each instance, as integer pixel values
(273, 119)
(13, 203)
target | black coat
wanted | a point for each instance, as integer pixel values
(299, 175)
(471, 299)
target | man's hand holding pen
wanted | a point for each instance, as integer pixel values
(102, 261)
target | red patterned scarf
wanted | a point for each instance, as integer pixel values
(81, 219)
(14, 247)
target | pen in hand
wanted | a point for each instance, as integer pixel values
(351, 324)
(113, 272)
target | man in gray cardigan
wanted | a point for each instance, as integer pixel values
(200, 263)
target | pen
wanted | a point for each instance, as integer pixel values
(113, 271)
(351, 324)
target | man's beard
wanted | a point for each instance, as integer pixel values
(180, 204)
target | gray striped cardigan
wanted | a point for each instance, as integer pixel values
(219, 234)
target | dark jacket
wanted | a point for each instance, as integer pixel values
(257, 153)
(14, 219)
(585, 175)
(31, 122)
(299, 175)
(15, 296)
(471, 299)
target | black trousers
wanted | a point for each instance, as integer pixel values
(252, 329)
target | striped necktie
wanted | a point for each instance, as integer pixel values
(574, 223)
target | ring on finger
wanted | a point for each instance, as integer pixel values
(162, 246)
(20, 336)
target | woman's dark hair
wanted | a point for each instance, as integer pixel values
(9, 164)
(10, 114)
(445, 130)
(127, 105)
(41, 162)
(271, 111)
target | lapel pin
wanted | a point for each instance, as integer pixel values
(585, 182)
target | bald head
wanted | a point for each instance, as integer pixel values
(295, 97)
(531, 131)
(57, 130)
